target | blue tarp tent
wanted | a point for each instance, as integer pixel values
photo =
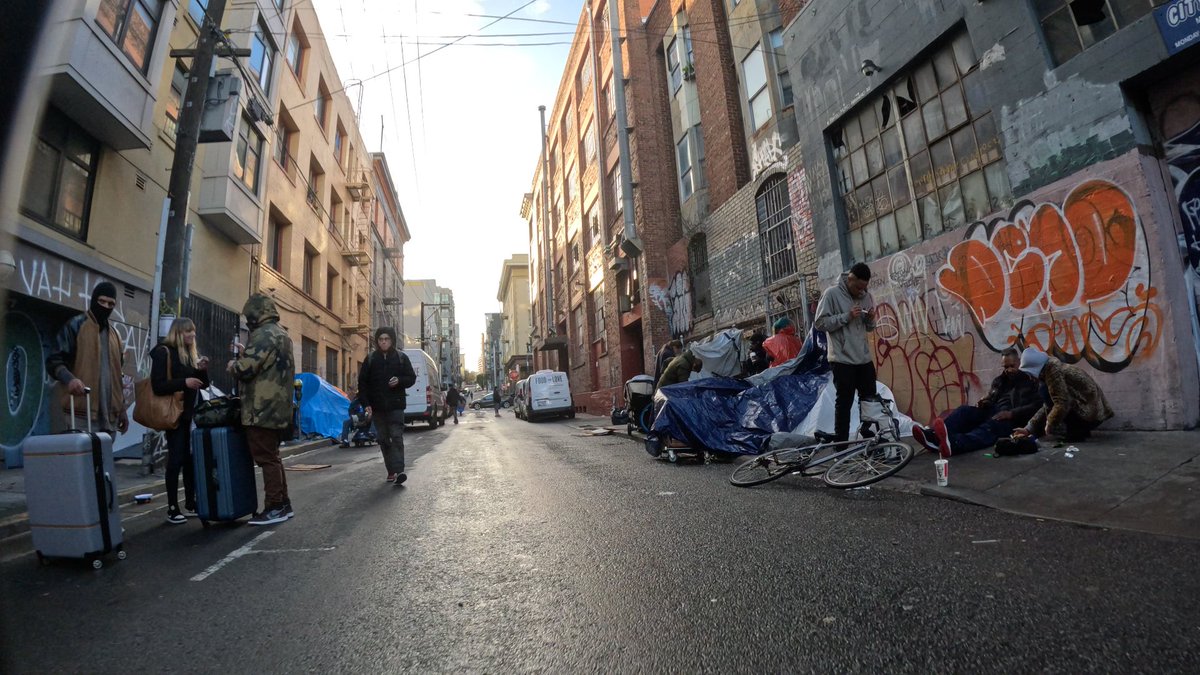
(323, 407)
(734, 416)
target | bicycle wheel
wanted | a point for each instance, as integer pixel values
(646, 419)
(769, 466)
(869, 464)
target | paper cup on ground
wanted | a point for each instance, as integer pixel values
(942, 468)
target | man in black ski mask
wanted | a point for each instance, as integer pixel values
(90, 355)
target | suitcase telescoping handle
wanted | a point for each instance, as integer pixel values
(87, 392)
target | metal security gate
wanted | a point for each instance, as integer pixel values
(215, 328)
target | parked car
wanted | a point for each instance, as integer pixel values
(486, 401)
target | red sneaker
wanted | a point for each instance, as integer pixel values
(943, 436)
(391, 477)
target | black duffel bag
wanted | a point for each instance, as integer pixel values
(221, 411)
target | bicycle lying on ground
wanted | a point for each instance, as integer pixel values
(842, 464)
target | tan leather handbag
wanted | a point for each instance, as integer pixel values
(157, 412)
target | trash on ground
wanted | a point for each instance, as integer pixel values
(143, 498)
(308, 467)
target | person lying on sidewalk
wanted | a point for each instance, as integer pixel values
(1072, 403)
(1010, 403)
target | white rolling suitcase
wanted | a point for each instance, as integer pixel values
(70, 494)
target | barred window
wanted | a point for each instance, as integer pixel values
(921, 158)
(775, 229)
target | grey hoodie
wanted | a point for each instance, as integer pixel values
(847, 337)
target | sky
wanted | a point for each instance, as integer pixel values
(465, 117)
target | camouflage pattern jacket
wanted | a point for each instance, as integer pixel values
(1071, 391)
(266, 369)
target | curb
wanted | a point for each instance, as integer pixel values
(19, 524)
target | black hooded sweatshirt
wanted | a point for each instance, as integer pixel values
(380, 367)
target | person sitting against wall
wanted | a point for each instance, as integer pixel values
(1010, 402)
(1072, 403)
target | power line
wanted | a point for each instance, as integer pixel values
(420, 81)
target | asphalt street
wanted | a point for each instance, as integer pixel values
(532, 547)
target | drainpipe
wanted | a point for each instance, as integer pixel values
(548, 283)
(632, 244)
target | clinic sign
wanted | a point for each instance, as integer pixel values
(1179, 24)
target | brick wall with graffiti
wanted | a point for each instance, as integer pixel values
(1085, 268)
(44, 292)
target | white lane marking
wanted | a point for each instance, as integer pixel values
(216, 567)
(291, 550)
(665, 494)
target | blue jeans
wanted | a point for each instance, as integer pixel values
(972, 428)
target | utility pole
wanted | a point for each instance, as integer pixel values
(632, 245)
(209, 45)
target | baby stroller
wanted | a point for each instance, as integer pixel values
(639, 403)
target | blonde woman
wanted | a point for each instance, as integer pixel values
(189, 374)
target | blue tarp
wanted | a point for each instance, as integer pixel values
(729, 415)
(323, 407)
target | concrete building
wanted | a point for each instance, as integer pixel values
(429, 324)
(491, 359)
(1013, 178)
(516, 332)
(389, 233)
(96, 182)
(318, 242)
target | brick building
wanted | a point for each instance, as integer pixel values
(1012, 177)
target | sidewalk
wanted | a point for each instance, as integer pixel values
(14, 519)
(1145, 481)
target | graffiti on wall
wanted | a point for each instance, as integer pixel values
(766, 154)
(1073, 279)
(675, 300)
(922, 348)
(1183, 160)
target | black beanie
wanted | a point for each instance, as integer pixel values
(388, 331)
(105, 288)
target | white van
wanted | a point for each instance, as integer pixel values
(549, 395)
(521, 399)
(425, 398)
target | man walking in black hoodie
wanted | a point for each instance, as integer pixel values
(385, 375)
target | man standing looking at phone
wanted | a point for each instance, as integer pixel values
(847, 313)
(382, 381)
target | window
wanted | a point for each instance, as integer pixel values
(294, 50)
(754, 77)
(598, 309)
(262, 54)
(593, 229)
(774, 212)
(308, 355)
(332, 356)
(331, 284)
(610, 100)
(179, 79)
(310, 264)
(584, 78)
(674, 70)
(1072, 27)
(316, 185)
(198, 8)
(276, 243)
(614, 180)
(921, 158)
(580, 336)
(321, 105)
(785, 81)
(567, 126)
(131, 24)
(683, 157)
(701, 178)
(283, 139)
(589, 145)
(249, 154)
(569, 186)
(339, 145)
(698, 264)
(62, 175)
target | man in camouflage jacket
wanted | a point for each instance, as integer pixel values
(265, 371)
